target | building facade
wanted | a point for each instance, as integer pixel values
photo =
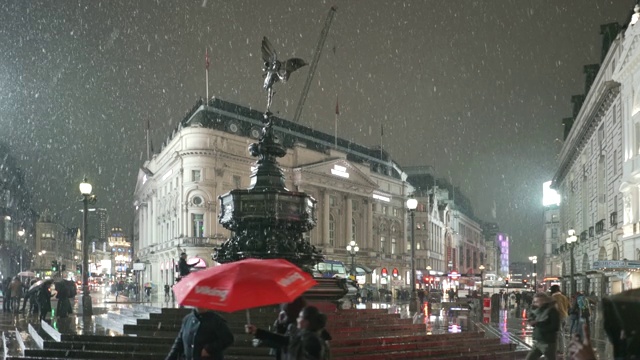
(625, 254)
(588, 179)
(360, 193)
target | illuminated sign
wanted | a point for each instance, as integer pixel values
(384, 272)
(381, 197)
(394, 272)
(340, 171)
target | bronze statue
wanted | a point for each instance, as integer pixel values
(275, 70)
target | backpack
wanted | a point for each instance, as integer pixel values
(583, 305)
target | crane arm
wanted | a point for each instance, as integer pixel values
(314, 63)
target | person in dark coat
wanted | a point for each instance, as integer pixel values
(204, 335)
(43, 297)
(545, 320)
(6, 294)
(64, 306)
(183, 267)
(305, 342)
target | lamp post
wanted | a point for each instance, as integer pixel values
(412, 204)
(353, 249)
(87, 197)
(534, 260)
(429, 274)
(481, 267)
(21, 234)
(41, 254)
(571, 240)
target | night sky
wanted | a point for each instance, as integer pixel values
(476, 89)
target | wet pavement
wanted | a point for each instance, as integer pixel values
(450, 319)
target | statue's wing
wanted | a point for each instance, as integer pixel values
(294, 64)
(268, 53)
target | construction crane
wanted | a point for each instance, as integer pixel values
(314, 63)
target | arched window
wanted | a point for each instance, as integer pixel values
(614, 253)
(602, 255)
(332, 230)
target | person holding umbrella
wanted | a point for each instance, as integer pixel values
(304, 342)
(183, 267)
(43, 297)
(204, 335)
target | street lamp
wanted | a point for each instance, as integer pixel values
(353, 248)
(429, 273)
(21, 234)
(87, 197)
(534, 260)
(571, 240)
(41, 256)
(412, 204)
(481, 267)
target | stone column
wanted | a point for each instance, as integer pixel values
(326, 207)
(349, 220)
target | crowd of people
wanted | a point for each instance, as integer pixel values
(38, 294)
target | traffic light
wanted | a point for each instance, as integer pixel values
(54, 265)
(79, 268)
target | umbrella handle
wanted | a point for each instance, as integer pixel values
(248, 317)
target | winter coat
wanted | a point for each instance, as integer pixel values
(562, 304)
(184, 268)
(547, 323)
(201, 330)
(301, 344)
(16, 288)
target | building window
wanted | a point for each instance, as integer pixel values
(384, 210)
(353, 229)
(332, 201)
(554, 233)
(393, 246)
(332, 230)
(195, 175)
(237, 181)
(197, 221)
(395, 212)
(382, 244)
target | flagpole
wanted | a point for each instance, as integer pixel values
(148, 146)
(206, 67)
(335, 128)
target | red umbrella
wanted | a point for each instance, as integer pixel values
(243, 285)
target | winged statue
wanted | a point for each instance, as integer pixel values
(276, 70)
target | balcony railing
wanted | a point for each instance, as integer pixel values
(600, 227)
(591, 232)
(201, 241)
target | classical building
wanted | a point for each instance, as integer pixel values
(54, 242)
(625, 253)
(589, 176)
(360, 192)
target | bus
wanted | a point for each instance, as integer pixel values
(330, 269)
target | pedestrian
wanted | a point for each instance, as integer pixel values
(167, 289)
(562, 304)
(16, 294)
(574, 315)
(584, 310)
(183, 267)
(285, 324)
(43, 297)
(203, 335)
(6, 294)
(305, 341)
(545, 320)
(62, 294)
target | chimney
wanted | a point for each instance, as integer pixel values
(609, 33)
(590, 71)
